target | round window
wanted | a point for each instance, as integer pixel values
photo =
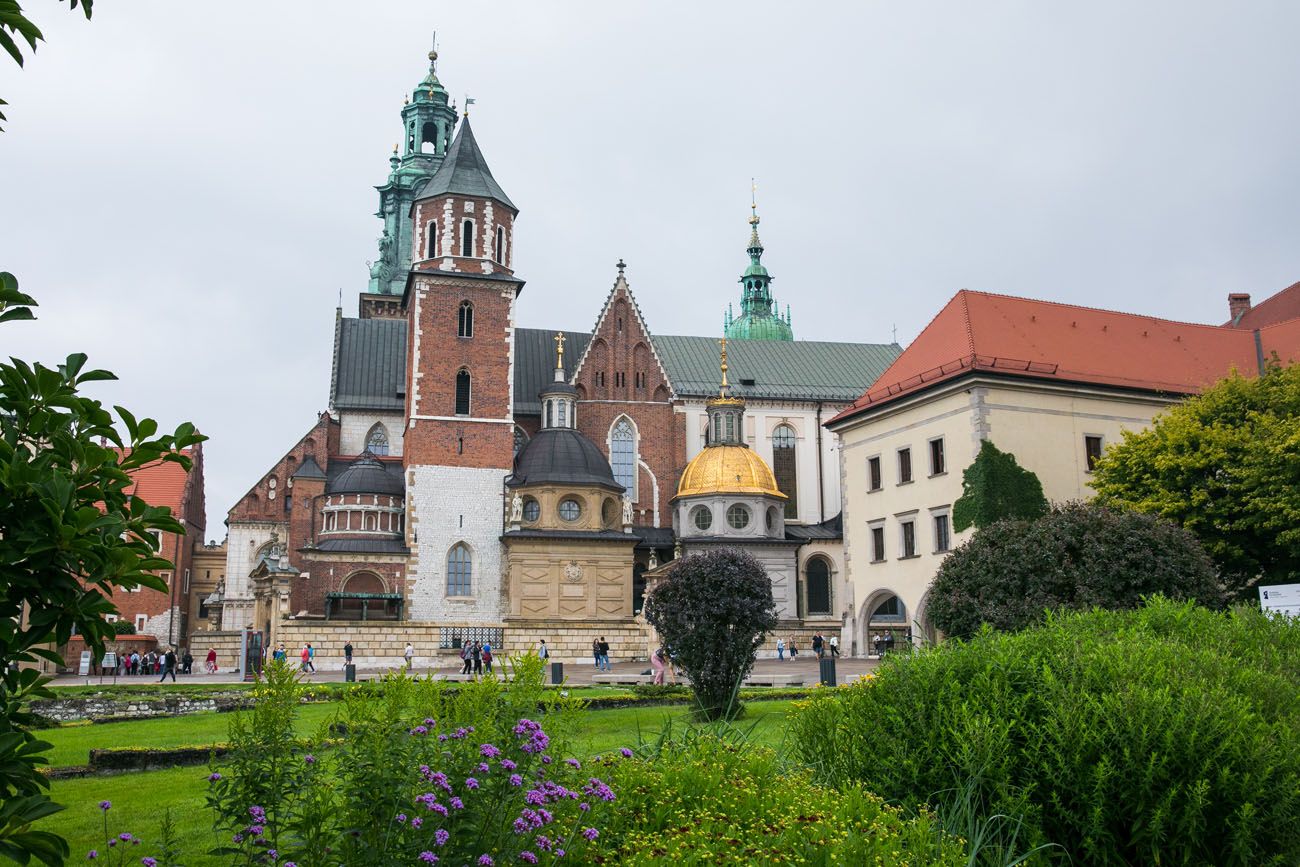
(532, 510)
(738, 517)
(570, 509)
(702, 518)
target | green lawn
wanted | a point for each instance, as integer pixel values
(139, 799)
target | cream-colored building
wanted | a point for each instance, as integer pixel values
(1052, 384)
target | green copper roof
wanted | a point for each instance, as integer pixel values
(759, 318)
(465, 172)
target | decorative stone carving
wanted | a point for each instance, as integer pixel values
(516, 509)
(627, 511)
(573, 571)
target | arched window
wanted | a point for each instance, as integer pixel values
(377, 440)
(462, 392)
(889, 609)
(459, 570)
(431, 240)
(622, 454)
(819, 586)
(783, 467)
(501, 245)
(467, 238)
(465, 320)
(521, 438)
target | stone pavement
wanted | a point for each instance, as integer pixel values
(577, 673)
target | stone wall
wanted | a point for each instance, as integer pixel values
(226, 642)
(105, 706)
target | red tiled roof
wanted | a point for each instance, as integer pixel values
(1064, 342)
(1279, 308)
(162, 484)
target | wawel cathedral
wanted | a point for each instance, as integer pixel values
(473, 477)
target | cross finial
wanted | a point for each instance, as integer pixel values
(753, 202)
(723, 344)
(559, 350)
(895, 332)
(621, 265)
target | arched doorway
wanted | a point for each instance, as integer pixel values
(885, 616)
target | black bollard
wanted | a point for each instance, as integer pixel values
(350, 673)
(557, 673)
(828, 671)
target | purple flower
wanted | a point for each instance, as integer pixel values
(559, 853)
(428, 857)
(508, 765)
(590, 833)
(419, 730)
(92, 855)
(627, 754)
(401, 817)
(584, 807)
(485, 861)
(483, 767)
(273, 855)
(546, 816)
(543, 843)
(516, 780)
(546, 760)
(441, 836)
(124, 837)
(290, 864)
(309, 759)
(471, 783)
(112, 842)
(489, 751)
(149, 862)
(456, 803)
(527, 857)
(430, 722)
(238, 838)
(258, 814)
(573, 763)
(105, 805)
(416, 822)
(213, 777)
(520, 826)
(441, 738)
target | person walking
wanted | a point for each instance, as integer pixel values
(487, 658)
(835, 645)
(476, 653)
(889, 642)
(818, 645)
(280, 654)
(311, 657)
(780, 648)
(542, 652)
(595, 652)
(604, 653)
(794, 649)
(168, 665)
(347, 652)
(409, 655)
(658, 662)
(187, 662)
(305, 656)
(210, 665)
(466, 657)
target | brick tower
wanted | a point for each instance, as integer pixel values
(459, 444)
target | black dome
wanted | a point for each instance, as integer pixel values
(561, 456)
(366, 475)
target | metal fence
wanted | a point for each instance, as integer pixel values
(454, 637)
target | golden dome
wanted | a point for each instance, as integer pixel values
(727, 469)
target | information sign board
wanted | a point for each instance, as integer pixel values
(1283, 598)
(83, 668)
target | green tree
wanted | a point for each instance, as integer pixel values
(994, 487)
(70, 534)
(1226, 466)
(713, 612)
(14, 22)
(1078, 556)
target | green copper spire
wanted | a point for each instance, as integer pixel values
(760, 318)
(429, 123)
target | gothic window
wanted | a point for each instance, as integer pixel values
(783, 467)
(818, 586)
(467, 238)
(377, 440)
(462, 392)
(501, 245)
(459, 570)
(465, 320)
(622, 453)
(521, 439)
(431, 242)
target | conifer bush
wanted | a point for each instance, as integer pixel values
(1165, 734)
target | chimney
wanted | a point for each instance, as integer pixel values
(1238, 304)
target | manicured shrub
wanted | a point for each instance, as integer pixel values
(711, 801)
(1165, 734)
(1079, 556)
(713, 612)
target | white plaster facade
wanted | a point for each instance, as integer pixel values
(1043, 424)
(244, 540)
(761, 420)
(354, 428)
(447, 505)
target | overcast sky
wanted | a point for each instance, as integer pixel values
(186, 187)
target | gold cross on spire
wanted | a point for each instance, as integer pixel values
(559, 349)
(723, 344)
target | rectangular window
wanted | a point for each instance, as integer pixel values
(878, 543)
(904, 466)
(140, 621)
(873, 474)
(908, 538)
(1092, 449)
(942, 538)
(937, 465)
(185, 588)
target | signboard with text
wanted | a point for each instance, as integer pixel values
(83, 668)
(1283, 598)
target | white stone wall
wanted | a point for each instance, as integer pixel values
(354, 427)
(446, 505)
(160, 625)
(243, 542)
(761, 419)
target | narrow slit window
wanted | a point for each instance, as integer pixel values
(462, 392)
(467, 238)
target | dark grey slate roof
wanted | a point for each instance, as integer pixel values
(535, 363)
(465, 172)
(561, 456)
(371, 365)
(798, 370)
(371, 476)
(308, 469)
(654, 537)
(362, 546)
(830, 529)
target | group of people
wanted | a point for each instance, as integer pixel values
(162, 663)
(821, 646)
(476, 658)
(600, 650)
(883, 642)
(306, 656)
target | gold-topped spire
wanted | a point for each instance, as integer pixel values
(753, 204)
(722, 392)
(559, 350)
